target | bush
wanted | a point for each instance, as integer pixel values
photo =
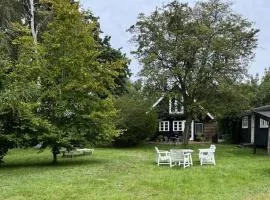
(136, 119)
(4, 146)
(199, 137)
(230, 128)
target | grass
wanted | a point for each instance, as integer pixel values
(132, 174)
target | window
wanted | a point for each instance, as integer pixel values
(178, 125)
(263, 123)
(164, 126)
(245, 122)
(175, 107)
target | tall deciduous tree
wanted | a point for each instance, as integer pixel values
(196, 48)
(58, 88)
(74, 83)
(110, 54)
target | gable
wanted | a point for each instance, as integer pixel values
(167, 105)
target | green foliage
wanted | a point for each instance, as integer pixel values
(5, 145)
(230, 128)
(236, 98)
(58, 91)
(135, 118)
(74, 83)
(263, 90)
(109, 54)
(19, 92)
(10, 11)
(199, 49)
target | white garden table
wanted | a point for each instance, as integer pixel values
(186, 151)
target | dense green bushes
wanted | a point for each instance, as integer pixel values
(136, 120)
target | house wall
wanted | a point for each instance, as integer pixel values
(261, 134)
(163, 115)
(210, 129)
(171, 133)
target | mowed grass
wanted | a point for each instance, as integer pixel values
(132, 174)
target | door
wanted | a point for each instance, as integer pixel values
(198, 131)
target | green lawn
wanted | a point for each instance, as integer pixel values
(131, 174)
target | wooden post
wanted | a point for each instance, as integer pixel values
(268, 143)
(252, 129)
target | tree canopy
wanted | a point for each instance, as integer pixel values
(57, 84)
(199, 49)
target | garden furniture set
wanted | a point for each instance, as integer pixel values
(184, 156)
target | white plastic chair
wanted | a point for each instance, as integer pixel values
(162, 157)
(207, 156)
(212, 146)
(180, 157)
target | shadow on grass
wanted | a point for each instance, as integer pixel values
(247, 152)
(66, 162)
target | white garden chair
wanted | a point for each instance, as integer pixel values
(212, 146)
(162, 157)
(180, 157)
(207, 156)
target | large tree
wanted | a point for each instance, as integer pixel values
(74, 82)
(58, 88)
(111, 54)
(198, 49)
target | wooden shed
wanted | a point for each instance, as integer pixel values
(255, 127)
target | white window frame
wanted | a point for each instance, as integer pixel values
(176, 105)
(263, 123)
(164, 126)
(245, 122)
(178, 125)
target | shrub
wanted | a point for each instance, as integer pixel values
(4, 146)
(199, 137)
(136, 119)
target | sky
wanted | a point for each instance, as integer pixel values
(116, 16)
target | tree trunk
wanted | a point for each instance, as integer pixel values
(54, 158)
(32, 21)
(55, 151)
(186, 134)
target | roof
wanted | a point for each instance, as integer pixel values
(263, 111)
(262, 108)
(162, 97)
(158, 101)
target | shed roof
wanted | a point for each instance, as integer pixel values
(262, 108)
(265, 114)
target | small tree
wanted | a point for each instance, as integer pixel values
(199, 49)
(135, 118)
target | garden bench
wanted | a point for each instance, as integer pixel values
(76, 152)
